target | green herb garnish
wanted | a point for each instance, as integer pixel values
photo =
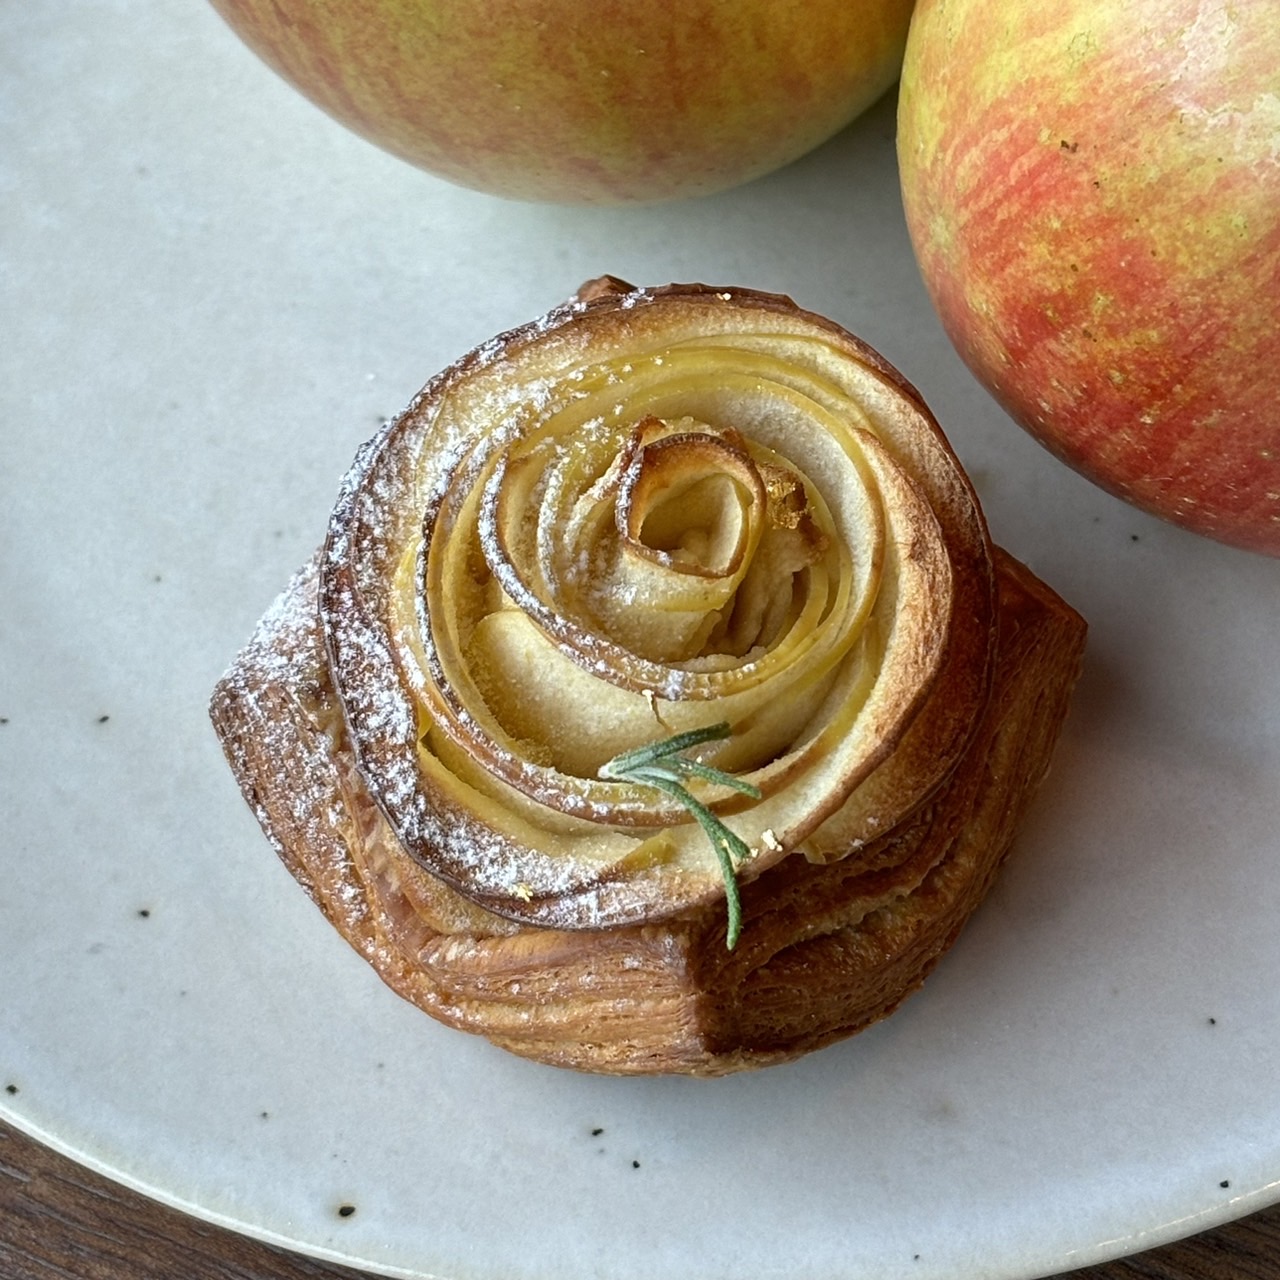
(661, 766)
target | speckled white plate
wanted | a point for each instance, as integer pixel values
(212, 295)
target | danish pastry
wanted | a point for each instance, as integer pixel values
(657, 701)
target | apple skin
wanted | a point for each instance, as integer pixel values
(1092, 189)
(611, 102)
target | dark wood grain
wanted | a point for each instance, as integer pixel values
(59, 1221)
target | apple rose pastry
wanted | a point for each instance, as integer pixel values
(657, 701)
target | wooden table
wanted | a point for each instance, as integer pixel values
(58, 1221)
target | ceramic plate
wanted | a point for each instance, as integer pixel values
(213, 295)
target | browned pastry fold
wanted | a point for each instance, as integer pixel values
(894, 685)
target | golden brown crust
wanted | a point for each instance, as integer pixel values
(647, 513)
(825, 951)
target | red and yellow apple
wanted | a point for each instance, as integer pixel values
(609, 102)
(1092, 189)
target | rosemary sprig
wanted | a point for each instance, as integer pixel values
(662, 766)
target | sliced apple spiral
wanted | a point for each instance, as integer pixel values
(649, 513)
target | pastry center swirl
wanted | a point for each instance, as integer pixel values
(628, 567)
(572, 551)
(592, 579)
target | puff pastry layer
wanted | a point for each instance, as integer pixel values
(648, 512)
